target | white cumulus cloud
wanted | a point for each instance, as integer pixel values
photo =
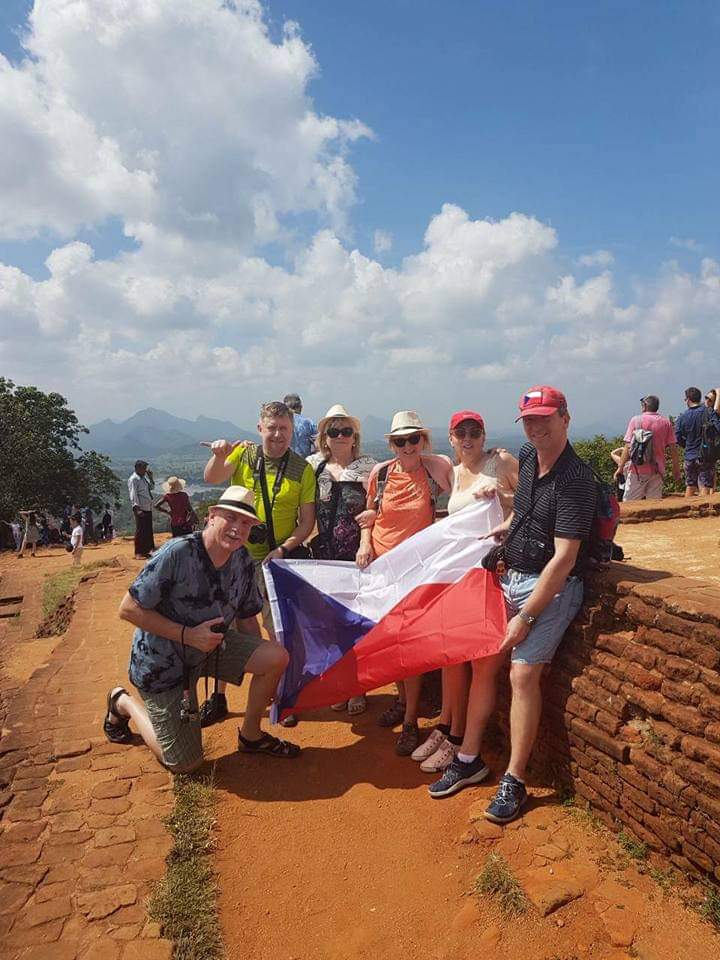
(190, 125)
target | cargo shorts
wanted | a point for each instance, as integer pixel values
(181, 743)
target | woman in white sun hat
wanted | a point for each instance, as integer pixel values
(176, 503)
(404, 491)
(342, 474)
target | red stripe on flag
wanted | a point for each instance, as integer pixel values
(435, 625)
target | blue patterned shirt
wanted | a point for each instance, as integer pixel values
(303, 432)
(181, 583)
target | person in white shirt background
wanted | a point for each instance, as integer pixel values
(76, 539)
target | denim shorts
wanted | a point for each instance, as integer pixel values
(548, 630)
(699, 474)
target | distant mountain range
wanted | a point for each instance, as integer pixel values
(153, 433)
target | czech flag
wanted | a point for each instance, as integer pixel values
(426, 604)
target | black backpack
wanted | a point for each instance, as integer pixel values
(709, 439)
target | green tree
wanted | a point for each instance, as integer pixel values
(597, 452)
(41, 463)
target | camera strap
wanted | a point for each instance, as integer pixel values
(260, 476)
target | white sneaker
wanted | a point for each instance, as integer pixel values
(442, 758)
(428, 747)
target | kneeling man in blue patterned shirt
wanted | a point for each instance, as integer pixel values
(183, 604)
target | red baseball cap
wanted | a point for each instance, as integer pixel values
(540, 402)
(461, 415)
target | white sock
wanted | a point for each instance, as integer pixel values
(467, 757)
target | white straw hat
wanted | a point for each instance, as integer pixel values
(338, 412)
(239, 500)
(173, 485)
(406, 422)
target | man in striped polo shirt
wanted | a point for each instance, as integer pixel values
(546, 540)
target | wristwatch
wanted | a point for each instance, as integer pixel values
(527, 618)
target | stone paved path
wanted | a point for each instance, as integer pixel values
(81, 836)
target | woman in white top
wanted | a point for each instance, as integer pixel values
(478, 473)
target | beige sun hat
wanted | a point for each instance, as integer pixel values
(404, 423)
(338, 412)
(239, 500)
(173, 485)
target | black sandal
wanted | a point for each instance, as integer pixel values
(270, 745)
(116, 732)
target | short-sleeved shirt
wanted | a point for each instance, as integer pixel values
(297, 488)
(663, 436)
(180, 507)
(405, 510)
(564, 503)
(76, 537)
(688, 429)
(182, 584)
(303, 432)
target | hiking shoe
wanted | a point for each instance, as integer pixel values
(393, 715)
(213, 710)
(509, 800)
(428, 747)
(441, 759)
(408, 740)
(458, 776)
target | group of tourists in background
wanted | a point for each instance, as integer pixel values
(195, 603)
(651, 437)
(37, 527)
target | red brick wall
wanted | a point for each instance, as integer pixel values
(632, 713)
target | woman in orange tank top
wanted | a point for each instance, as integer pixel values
(403, 492)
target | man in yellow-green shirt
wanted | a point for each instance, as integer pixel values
(292, 500)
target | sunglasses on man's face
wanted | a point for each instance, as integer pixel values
(336, 432)
(414, 440)
(473, 432)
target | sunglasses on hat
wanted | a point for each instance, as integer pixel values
(414, 440)
(336, 432)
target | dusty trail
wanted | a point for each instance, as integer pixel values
(340, 854)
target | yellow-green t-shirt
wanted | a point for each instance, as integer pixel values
(297, 487)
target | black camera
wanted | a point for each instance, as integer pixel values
(258, 534)
(534, 550)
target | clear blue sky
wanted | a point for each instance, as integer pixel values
(601, 118)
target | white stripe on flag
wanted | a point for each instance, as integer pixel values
(442, 553)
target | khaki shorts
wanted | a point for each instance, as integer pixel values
(181, 743)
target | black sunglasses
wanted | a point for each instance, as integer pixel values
(336, 432)
(401, 441)
(473, 432)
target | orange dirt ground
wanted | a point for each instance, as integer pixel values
(339, 855)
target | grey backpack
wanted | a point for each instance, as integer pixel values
(641, 447)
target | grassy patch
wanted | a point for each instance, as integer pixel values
(710, 906)
(60, 585)
(184, 902)
(635, 849)
(665, 879)
(582, 815)
(497, 880)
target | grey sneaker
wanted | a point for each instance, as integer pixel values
(509, 800)
(458, 776)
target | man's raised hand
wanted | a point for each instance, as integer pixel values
(221, 448)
